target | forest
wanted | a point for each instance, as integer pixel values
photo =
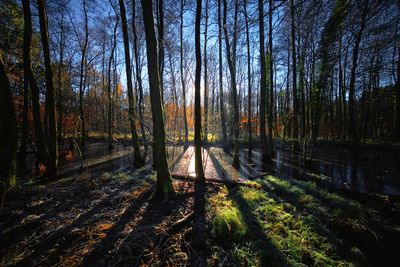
(200, 133)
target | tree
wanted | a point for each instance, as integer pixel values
(41, 153)
(271, 82)
(353, 131)
(8, 132)
(137, 158)
(164, 187)
(138, 73)
(221, 89)
(197, 100)
(294, 77)
(249, 115)
(205, 136)
(231, 58)
(266, 156)
(50, 105)
(182, 76)
(81, 76)
(109, 89)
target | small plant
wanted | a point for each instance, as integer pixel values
(246, 255)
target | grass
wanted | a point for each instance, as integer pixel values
(227, 222)
(306, 225)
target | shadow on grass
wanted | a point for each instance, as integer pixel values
(353, 230)
(270, 254)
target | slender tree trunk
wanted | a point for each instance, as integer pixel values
(249, 115)
(197, 99)
(271, 84)
(164, 182)
(137, 158)
(221, 89)
(37, 121)
(138, 74)
(205, 136)
(81, 77)
(266, 156)
(50, 105)
(397, 108)
(294, 82)
(182, 76)
(110, 124)
(21, 157)
(353, 129)
(232, 69)
(8, 133)
(59, 86)
(160, 5)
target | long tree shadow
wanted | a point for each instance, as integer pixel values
(270, 254)
(148, 242)
(376, 241)
(54, 242)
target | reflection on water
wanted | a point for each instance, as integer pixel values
(362, 175)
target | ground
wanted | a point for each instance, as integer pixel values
(252, 218)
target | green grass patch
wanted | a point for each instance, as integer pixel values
(227, 222)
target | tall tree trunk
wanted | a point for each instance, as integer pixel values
(294, 79)
(138, 74)
(353, 129)
(50, 105)
(221, 89)
(8, 132)
(160, 5)
(249, 115)
(271, 84)
(266, 156)
(197, 100)
(232, 69)
(198, 228)
(28, 74)
(397, 108)
(182, 77)
(164, 182)
(109, 117)
(205, 136)
(137, 158)
(81, 77)
(59, 86)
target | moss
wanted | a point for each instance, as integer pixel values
(227, 222)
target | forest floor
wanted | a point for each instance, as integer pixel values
(106, 217)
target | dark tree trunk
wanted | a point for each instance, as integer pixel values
(8, 132)
(266, 156)
(294, 80)
(221, 89)
(137, 158)
(197, 100)
(164, 182)
(231, 58)
(271, 84)
(110, 111)
(160, 5)
(138, 74)
(182, 77)
(353, 129)
(50, 105)
(249, 115)
(41, 152)
(205, 136)
(81, 77)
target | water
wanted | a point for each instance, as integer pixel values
(370, 173)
